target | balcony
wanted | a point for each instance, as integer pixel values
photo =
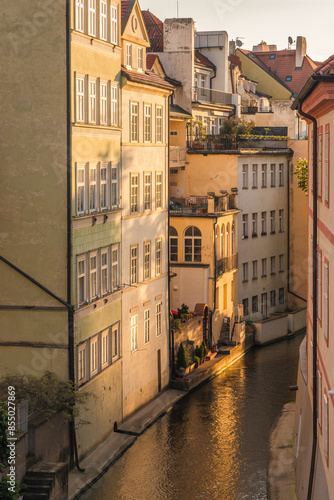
(204, 94)
(231, 143)
(203, 204)
(177, 156)
(226, 264)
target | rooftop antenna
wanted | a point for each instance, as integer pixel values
(238, 41)
(290, 42)
(177, 9)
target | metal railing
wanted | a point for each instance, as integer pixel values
(210, 95)
(226, 264)
(199, 204)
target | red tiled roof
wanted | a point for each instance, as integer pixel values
(150, 60)
(154, 29)
(284, 65)
(235, 60)
(327, 67)
(203, 60)
(148, 78)
(124, 6)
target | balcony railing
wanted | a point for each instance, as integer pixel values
(228, 143)
(200, 204)
(205, 94)
(226, 264)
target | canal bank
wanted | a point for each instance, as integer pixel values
(99, 461)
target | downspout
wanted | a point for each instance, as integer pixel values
(315, 298)
(171, 333)
(214, 275)
(73, 440)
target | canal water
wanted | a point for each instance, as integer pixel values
(214, 444)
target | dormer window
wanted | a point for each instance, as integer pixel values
(272, 56)
(288, 79)
(140, 58)
(129, 55)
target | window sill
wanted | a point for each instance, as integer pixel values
(244, 281)
(254, 187)
(263, 187)
(255, 278)
(281, 231)
(273, 186)
(281, 271)
(272, 232)
(263, 234)
(254, 235)
(245, 237)
(244, 187)
(263, 275)
(272, 274)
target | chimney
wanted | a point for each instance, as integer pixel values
(300, 51)
(261, 47)
(272, 48)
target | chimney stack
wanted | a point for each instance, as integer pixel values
(300, 51)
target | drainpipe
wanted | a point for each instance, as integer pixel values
(315, 298)
(73, 440)
(214, 274)
(171, 333)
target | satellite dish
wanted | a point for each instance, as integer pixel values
(290, 40)
(238, 43)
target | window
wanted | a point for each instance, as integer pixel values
(158, 257)
(82, 280)
(319, 270)
(264, 176)
(105, 349)
(254, 176)
(272, 56)
(92, 101)
(273, 298)
(81, 190)
(140, 52)
(92, 17)
(147, 191)
(202, 84)
(94, 353)
(326, 427)
(104, 198)
(264, 267)
(105, 280)
(103, 20)
(254, 269)
(281, 263)
(82, 361)
(281, 295)
(134, 121)
(129, 55)
(245, 271)
(319, 398)
(326, 294)
(80, 15)
(272, 221)
(134, 264)
(272, 175)
(263, 223)
(326, 166)
(114, 267)
(158, 190)
(255, 304)
(114, 105)
(245, 176)
(281, 174)
(245, 306)
(116, 351)
(273, 265)
(158, 319)
(159, 124)
(192, 245)
(319, 192)
(254, 225)
(147, 122)
(114, 25)
(134, 333)
(288, 78)
(147, 260)
(103, 103)
(93, 286)
(92, 188)
(134, 193)
(146, 326)
(80, 98)
(173, 244)
(281, 220)
(245, 226)
(114, 186)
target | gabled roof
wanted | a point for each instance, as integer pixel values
(327, 67)
(147, 78)
(154, 29)
(137, 28)
(201, 59)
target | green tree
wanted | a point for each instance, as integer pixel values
(301, 172)
(181, 361)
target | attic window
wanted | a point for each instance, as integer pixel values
(272, 56)
(288, 79)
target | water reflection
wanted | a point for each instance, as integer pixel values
(215, 443)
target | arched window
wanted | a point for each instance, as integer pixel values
(218, 242)
(222, 243)
(233, 239)
(228, 240)
(192, 244)
(173, 244)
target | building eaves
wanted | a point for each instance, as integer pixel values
(147, 78)
(309, 86)
(177, 111)
(201, 59)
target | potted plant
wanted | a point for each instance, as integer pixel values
(196, 361)
(183, 312)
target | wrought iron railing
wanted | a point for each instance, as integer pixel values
(210, 95)
(226, 264)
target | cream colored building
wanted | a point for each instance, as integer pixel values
(145, 100)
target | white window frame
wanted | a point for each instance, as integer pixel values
(158, 190)
(272, 221)
(114, 186)
(92, 17)
(114, 105)
(263, 223)
(82, 276)
(134, 193)
(147, 123)
(81, 188)
(281, 174)
(191, 245)
(114, 24)
(281, 220)
(158, 253)
(115, 267)
(115, 341)
(326, 302)
(92, 100)
(147, 190)
(93, 188)
(173, 245)
(104, 114)
(104, 186)
(134, 333)
(147, 260)
(158, 316)
(254, 224)
(134, 121)
(134, 264)
(105, 349)
(93, 271)
(159, 122)
(254, 176)
(140, 58)
(129, 55)
(273, 175)
(326, 427)
(105, 271)
(80, 101)
(245, 176)
(94, 356)
(245, 225)
(80, 15)
(146, 326)
(264, 175)
(82, 363)
(319, 283)
(103, 20)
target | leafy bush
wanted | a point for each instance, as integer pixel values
(196, 360)
(183, 310)
(205, 350)
(301, 172)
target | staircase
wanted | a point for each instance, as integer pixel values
(224, 338)
(38, 487)
(46, 481)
